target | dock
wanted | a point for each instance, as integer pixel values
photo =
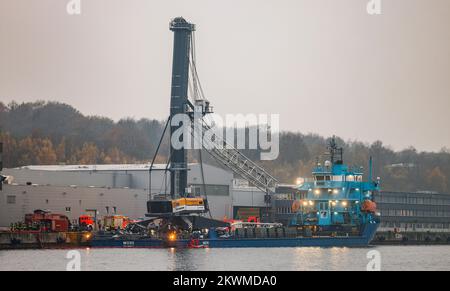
(43, 240)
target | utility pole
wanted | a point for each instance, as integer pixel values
(2, 178)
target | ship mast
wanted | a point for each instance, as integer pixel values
(336, 153)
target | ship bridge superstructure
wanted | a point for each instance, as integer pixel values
(336, 195)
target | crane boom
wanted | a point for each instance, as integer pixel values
(241, 165)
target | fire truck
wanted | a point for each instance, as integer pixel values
(46, 221)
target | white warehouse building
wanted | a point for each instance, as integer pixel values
(123, 189)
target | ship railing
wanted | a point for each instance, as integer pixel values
(255, 225)
(327, 184)
(287, 232)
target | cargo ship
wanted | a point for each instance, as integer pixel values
(334, 208)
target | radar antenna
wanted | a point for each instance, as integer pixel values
(336, 153)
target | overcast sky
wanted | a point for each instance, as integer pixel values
(325, 66)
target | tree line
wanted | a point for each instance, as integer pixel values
(48, 133)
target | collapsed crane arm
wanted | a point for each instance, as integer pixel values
(238, 163)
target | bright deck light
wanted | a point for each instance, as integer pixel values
(172, 236)
(299, 181)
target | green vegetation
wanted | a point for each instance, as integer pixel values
(44, 133)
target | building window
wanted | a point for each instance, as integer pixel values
(68, 209)
(11, 199)
(197, 191)
(213, 190)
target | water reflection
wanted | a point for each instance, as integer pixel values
(186, 259)
(283, 259)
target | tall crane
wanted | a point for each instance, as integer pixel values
(179, 100)
(184, 63)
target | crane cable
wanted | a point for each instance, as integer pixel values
(197, 93)
(203, 179)
(154, 158)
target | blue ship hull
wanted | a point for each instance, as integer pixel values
(368, 233)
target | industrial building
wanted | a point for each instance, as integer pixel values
(123, 189)
(414, 212)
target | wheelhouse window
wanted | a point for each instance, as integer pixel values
(323, 178)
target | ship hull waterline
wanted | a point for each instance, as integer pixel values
(357, 241)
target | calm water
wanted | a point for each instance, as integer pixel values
(392, 258)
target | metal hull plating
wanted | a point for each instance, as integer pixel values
(364, 240)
